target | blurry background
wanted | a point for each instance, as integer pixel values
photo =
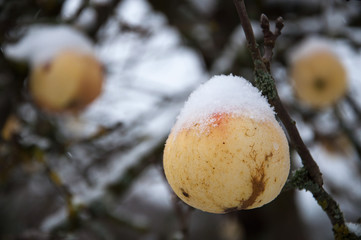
(98, 174)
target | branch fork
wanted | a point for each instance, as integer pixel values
(270, 38)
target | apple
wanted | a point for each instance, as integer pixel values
(234, 162)
(66, 83)
(319, 78)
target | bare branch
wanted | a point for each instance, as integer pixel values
(265, 82)
(300, 179)
(309, 177)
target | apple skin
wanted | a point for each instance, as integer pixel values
(67, 83)
(319, 79)
(233, 163)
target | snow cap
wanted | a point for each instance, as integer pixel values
(42, 42)
(223, 94)
(309, 46)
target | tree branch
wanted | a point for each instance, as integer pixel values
(265, 82)
(309, 177)
(301, 180)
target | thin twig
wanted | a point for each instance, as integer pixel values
(58, 183)
(270, 38)
(347, 130)
(353, 105)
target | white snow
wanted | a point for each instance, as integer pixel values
(43, 42)
(309, 46)
(54, 220)
(355, 228)
(70, 7)
(134, 11)
(223, 94)
(87, 19)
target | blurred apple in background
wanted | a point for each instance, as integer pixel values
(319, 77)
(69, 82)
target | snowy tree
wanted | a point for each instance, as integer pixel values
(90, 90)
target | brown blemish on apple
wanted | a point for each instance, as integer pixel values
(258, 187)
(270, 155)
(253, 152)
(185, 193)
(250, 132)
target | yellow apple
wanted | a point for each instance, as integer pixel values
(69, 82)
(234, 162)
(319, 78)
